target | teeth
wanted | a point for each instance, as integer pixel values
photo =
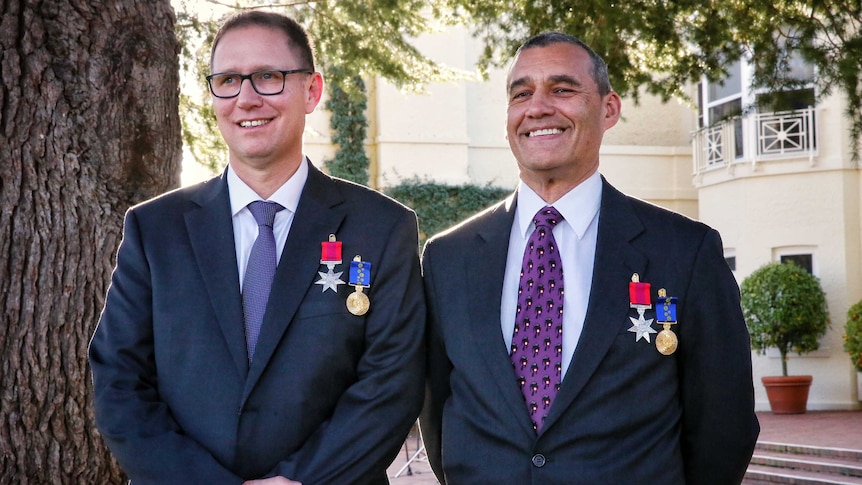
(548, 131)
(246, 124)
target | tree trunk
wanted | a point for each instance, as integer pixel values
(88, 126)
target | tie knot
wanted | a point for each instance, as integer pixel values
(547, 216)
(264, 212)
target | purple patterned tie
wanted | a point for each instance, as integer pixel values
(537, 342)
(259, 272)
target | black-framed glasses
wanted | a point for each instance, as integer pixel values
(266, 83)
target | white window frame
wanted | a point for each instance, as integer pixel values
(747, 98)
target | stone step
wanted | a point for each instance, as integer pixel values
(817, 464)
(803, 465)
(761, 475)
(844, 454)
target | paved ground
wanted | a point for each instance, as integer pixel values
(834, 429)
(417, 472)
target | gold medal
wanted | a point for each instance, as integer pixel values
(666, 341)
(358, 303)
(360, 277)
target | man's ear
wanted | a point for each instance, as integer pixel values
(314, 91)
(613, 108)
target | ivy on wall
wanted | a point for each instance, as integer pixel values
(346, 103)
(441, 206)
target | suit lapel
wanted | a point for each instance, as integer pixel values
(485, 279)
(317, 216)
(210, 230)
(616, 260)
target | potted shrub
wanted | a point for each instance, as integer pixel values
(853, 341)
(784, 307)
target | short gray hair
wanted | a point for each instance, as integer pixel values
(600, 68)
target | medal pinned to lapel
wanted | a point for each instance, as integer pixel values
(330, 255)
(639, 299)
(360, 277)
(666, 341)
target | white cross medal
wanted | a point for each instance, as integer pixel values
(330, 255)
(639, 299)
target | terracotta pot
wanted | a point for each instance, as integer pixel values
(787, 394)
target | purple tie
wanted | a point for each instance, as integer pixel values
(537, 342)
(259, 271)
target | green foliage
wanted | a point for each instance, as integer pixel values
(853, 335)
(347, 101)
(658, 47)
(784, 307)
(200, 129)
(441, 206)
(374, 37)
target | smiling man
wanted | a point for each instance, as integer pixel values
(264, 326)
(577, 335)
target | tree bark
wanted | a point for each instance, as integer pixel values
(89, 125)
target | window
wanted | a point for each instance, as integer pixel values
(786, 100)
(737, 121)
(731, 262)
(804, 261)
(799, 69)
(724, 103)
(802, 256)
(730, 87)
(786, 124)
(730, 258)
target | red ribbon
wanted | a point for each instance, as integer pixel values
(330, 251)
(639, 293)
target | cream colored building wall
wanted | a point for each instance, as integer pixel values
(455, 133)
(432, 135)
(658, 174)
(651, 122)
(791, 206)
(317, 144)
(648, 155)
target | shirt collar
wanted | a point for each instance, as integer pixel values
(287, 195)
(578, 207)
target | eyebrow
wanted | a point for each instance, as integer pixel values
(555, 79)
(257, 68)
(566, 79)
(522, 81)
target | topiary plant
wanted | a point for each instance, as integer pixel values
(853, 335)
(784, 307)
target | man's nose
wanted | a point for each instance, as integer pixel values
(247, 93)
(540, 104)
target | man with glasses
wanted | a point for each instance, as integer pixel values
(264, 326)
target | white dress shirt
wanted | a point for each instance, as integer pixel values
(244, 224)
(576, 239)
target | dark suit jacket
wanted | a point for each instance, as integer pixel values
(329, 397)
(625, 413)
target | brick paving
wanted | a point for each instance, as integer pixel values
(833, 429)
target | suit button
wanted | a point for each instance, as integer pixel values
(539, 460)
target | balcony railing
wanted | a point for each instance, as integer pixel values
(765, 136)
